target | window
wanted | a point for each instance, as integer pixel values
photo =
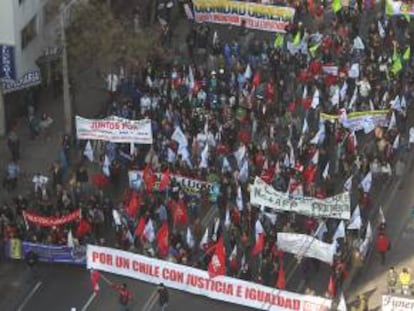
(20, 2)
(29, 32)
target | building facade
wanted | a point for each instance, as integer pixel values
(28, 33)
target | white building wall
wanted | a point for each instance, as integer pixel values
(16, 18)
(7, 31)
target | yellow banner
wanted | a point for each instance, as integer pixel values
(356, 114)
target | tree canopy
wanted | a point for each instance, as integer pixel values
(95, 37)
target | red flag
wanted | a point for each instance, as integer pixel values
(331, 286)
(83, 228)
(165, 180)
(133, 205)
(95, 276)
(163, 239)
(268, 174)
(149, 178)
(140, 227)
(256, 79)
(310, 173)
(217, 265)
(180, 213)
(281, 278)
(258, 247)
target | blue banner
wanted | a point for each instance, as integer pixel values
(57, 254)
(7, 63)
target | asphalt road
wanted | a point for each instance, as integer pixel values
(64, 287)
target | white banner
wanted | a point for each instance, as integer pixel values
(198, 282)
(305, 246)
(338, 206)
(115, 129)
(397, 303)
(357, 121)
(189, 185)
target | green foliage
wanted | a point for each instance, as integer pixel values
(95, 37)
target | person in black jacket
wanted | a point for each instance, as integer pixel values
(163, 297)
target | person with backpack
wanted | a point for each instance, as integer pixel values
(163, 297)
(125, 296)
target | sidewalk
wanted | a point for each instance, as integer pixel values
(36, 155)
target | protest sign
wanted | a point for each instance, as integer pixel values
(399, 8)
(305, 246)
(255, 16)
(356, 121)
(397, 303)
(338, 206)
(115, 129)
(198, 282)
(57, 254)
(190, 186)
(52, 221)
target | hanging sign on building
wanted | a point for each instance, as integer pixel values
(7, 63)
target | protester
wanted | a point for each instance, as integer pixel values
(285, 109)
(124, 296)
(163, 297)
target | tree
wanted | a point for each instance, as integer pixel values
(97, 39)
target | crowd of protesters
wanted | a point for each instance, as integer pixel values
(241, 108)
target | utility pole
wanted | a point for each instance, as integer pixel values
(67, 103)
(2, 114)
(67, 99)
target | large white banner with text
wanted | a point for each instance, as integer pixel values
(338, 206)
(196, 281)
(304, 245)
(397, 303)
(115, 129)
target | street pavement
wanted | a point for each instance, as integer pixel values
(398, 211)
(63, 287)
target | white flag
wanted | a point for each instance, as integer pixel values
(325, 173)
(403, 103)
(335, 97)
(356, 221)
(342, 304)
(353, 98)
(226, 166)
(149, 232)
(366, 183)
(239, 199)
(340, 231)
(358, 44)
(305, 127)
(272, 217)
(381, 215)
(353, 72)
(305, 92)
(239, 154)
(348, 183)
(393, 121)
(179, 137)
(171, 155)
(227, 220)
(321, 230)
(204, 157)
(88, 152)
(396, 142)
(233, 252)
(315, 99)
(248, 72)
(381, 30)
(70, 242)
(106, 166)
(116, 217)
(189, 238)
(315, 157)
(244, 171)
(258, 228)
(204, 239)
(344, 90)
(216, 229)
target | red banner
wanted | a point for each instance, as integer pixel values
(53, 220)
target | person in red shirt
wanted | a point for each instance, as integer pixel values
(382, 245)
(125, 296)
